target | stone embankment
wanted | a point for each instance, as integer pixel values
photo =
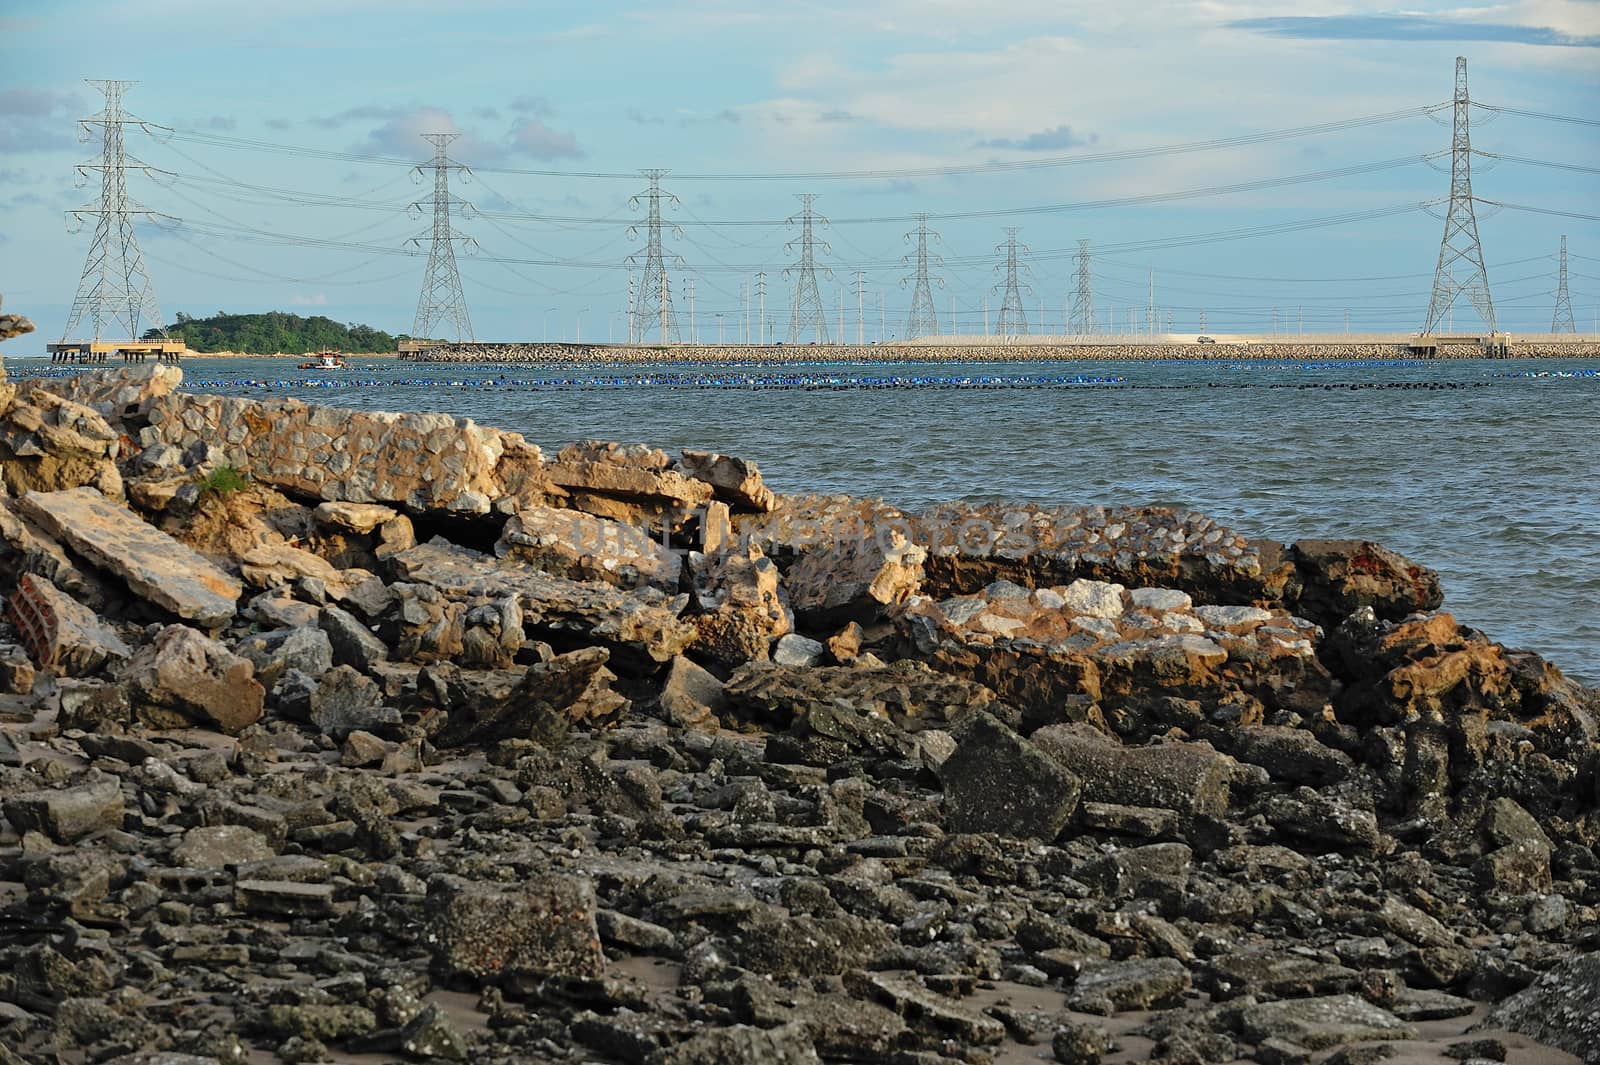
(782, 354)
(330, 735)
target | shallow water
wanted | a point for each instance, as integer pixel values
(1496, 484)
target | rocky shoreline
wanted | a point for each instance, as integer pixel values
(338, 735)
(780, 354)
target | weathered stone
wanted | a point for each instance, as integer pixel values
(216, 846)
(273, 653)
(582, 547)
(68, 814)
(183, 677)
(1324, 819)
(629, 483)
(1145, 983)
(1291, 755)
(1516, 869)
(797, 652)
(539, 703)
(345, 700)
(907, 693)
(691, 696)
(283, 565)
(349, 641)
(119, 394)
(66, 638)
(421, 461)
(154, 565)
(643, 621)
(1340, 576)
(996, 781)
(283, 898)
(1124, 871)
(1321, 1023)
(736, 482)
(930, 1011)
(1557, 1009)
(741, 607)
(544, 926)
(854, 579)
(1189, 778)
(741, 1044)
(360, 518)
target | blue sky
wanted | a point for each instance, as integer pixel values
(800, 88)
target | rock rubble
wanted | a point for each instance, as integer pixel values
(405, 742)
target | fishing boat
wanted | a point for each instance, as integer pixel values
(326, 360)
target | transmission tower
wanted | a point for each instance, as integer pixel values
(1013, 320)
(442, 299)
(1083, 305)
(924, 320)
(808, 312)
(1460, 249)
(652, 309)
(114, 286)
(1561, 321)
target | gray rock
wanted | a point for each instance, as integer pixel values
(1558, 1008)
(68, 814)
(1138, 984)
(797, 651)
(741, 1044)
(218, 846)
(305, 649)
(691, 695)
(1291, 755)
(1322, 1023)
(346, 701)
(351, 643)
(1189, 778)
(543, 926)
(996, 781)
(283, 898)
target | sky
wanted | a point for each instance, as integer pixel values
(278, 144)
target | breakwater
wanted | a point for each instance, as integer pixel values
(556, 354)
(336, 732)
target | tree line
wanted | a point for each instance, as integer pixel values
(275, 331)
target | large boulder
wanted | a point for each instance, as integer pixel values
(154, 565)
(183, 678)
(68, 814)
(736, 482)
(1558, 1009)
(48, 443)
(568, 543)
(742, 608)
(539, 703)
(996, 781)
(1338, 577)
(1189, 778)
(852, 579)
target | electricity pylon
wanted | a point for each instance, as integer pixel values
(652, 308)
(1562, 321)
(1083, 302)
(1460, 249)
(808, 312)
(442, 299)
(1013, 320)
(924, 320)
(114, 286)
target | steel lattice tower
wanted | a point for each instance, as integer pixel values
(115, 285)
(442, 299)
(1083, 303)
(1460, 248)
(1562, 321)
(808, 312)
(924, 320)
(652, 308)
(1013, 320)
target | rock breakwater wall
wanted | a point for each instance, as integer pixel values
(782, 354)
(854, 783)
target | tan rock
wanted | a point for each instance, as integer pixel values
(121, 393)
(691, 697)
(183, 678)
(154, 565)
(277, 565)
(855, 579)
(353, 517)
(735, 481)
(625, 483)
(579, 546)
(742, 609)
